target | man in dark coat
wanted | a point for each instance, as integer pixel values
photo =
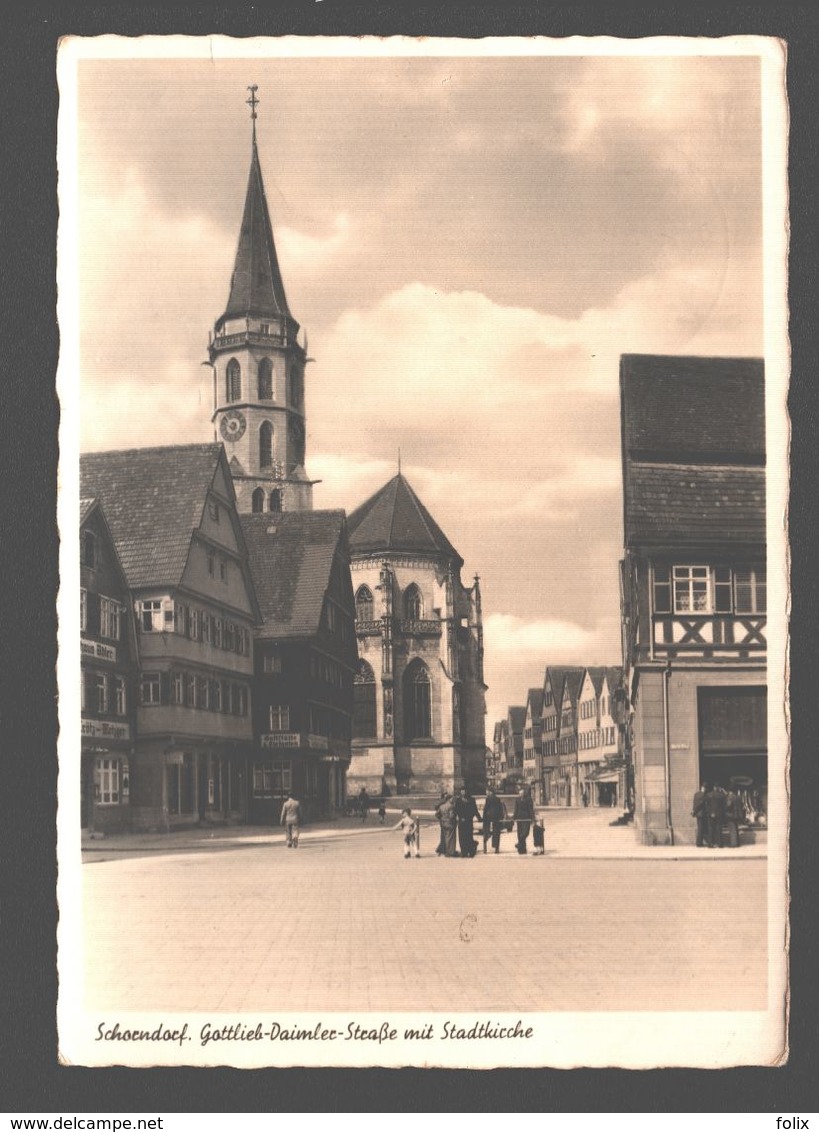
(467, 812)
(715, 809)
(492, 818)
(698, 812)
(524, 815)
(734, 814)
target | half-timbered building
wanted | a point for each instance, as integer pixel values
(693, 582)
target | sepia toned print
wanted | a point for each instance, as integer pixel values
(424, 430)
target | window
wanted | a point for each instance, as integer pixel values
(101, 693)
(217, 632)
(177, 689)
(89, 550)
(119, 694)
(413, 606)
(233, 382)
(275, 502)
(417, 703)
(83, 609)
(196, 624)
(106, 775)
(364, 703)
(364, 605)
(223, 570)
(266, 445)
(109, 618)
(203, 692)
(750, 590)
(213, 510)
(691, 589)
(218, 698)
(150, 689)
(265, 380)
(211, 565)
(155, 616)
(279, 717)
(262, 780)
(272, 664)
(257, 501)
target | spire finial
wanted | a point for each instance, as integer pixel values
(399, 461)
(253, 102)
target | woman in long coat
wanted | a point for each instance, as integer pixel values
(448, 820)
(524, 816)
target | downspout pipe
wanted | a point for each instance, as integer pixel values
(667, 751)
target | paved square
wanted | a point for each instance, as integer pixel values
(344, 923)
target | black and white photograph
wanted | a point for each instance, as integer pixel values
(423, 484)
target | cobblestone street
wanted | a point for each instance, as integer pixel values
(344, 923)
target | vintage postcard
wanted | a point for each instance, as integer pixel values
(423, 465)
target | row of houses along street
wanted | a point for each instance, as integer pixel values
(238, 645)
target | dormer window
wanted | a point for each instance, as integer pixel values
(89, 550)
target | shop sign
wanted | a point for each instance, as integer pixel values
(280, 739)
(99, 729)
(98, 650)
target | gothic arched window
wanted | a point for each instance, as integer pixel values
(275, 501)
(233, 383)
(257, 503)
(266, 445)
(295, 396)
(265, 380)
(417, 703)
(364, 692)
(413, 605)
(364, 605)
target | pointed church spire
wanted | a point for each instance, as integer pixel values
(256, 286)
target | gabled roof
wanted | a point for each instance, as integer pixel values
(153, 499)
(92, 507)
(613, 674)
(256, 286)
(557, 675)
(291, 559)
(86, 507)
(395, 519)
(696, 504)
(534, 698)
(517, 718)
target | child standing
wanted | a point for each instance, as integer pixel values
(409, 825)
(538, 838)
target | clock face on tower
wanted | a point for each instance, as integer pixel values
(232, 425)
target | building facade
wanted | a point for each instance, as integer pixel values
(305, 662)
(172, 515)
(532, 747)
(693, 583)
(419, 693)
(601, 757)
(108, 678)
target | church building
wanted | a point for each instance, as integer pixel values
(419, 723)
(258, 368)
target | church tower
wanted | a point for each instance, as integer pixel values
(258, 368)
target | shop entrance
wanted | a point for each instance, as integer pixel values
(733, 741)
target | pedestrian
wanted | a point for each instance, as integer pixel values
(585, 796)
(409, 825)
(715, 810)
(734, 814)
(291, 820)
(466, 812)
(382, 811)
(524, 815)
(363, 803)
(538, 838)
(440, 850)
(493, 814)
(698, 812)
(449, 821)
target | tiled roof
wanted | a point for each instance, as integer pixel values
(86, 506)
(291, 558)
(517, 718)
(153, 499)
(557, 677)
(535, 698)
(396, 519)
(694, 504)
(256, 286)
(600, 672)
(699, 409)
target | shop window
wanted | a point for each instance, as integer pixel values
(106, 782)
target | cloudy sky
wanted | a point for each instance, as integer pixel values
(470, 242)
